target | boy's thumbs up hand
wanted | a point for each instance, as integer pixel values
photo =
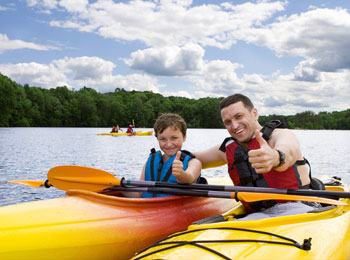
(178, 155)
(177, 165)
(264, 158)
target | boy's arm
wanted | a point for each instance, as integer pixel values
(142, 177)
(192, 172)
(136, 194)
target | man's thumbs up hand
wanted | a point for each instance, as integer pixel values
(264, 158)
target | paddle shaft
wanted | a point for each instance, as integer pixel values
(246, 196)
(301, 192)
(31, 183)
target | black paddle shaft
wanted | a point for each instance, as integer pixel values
(230, 188)
(174, 191)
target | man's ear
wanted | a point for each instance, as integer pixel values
(255, 113)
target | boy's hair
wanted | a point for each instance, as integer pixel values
(237, 98)
(169, 120)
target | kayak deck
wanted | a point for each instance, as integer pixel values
(139, 133)
(323, 234)
(87, 225)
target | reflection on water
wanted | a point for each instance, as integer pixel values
(28, 153)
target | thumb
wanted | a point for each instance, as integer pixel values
(259, 138)
(178, 155)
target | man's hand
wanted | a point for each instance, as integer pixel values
(265, 158)
(177, 166)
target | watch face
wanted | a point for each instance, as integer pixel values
(282, 158)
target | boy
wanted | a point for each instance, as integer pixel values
(171, 164)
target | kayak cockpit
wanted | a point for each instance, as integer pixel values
(225, 236)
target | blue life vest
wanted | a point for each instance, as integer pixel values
(157, 170)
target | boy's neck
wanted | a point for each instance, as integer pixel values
(165, 157)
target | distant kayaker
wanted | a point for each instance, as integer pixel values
(130, 129)
(258, 156)
(115, 129)
(171, 164)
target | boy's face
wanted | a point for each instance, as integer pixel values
(170, 141)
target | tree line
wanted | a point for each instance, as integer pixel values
(30, 106)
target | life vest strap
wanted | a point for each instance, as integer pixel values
(269, 127)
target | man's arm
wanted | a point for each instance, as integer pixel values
(211, 157)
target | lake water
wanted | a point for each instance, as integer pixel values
(29, 153)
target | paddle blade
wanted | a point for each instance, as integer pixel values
(69, 177)
(31, 183)
(255, 196)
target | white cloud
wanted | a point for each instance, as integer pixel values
(217, 76)
(49, 4)
(283, 95)
(305, 71)
(35, 74)
(321, 36)
(76, 73)
(167, 23)
(5, 8)
(108, 83)
(181, 93)
(85, 68)
(74, 6)
(168, 61)
(6, 44)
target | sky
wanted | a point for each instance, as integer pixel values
(287, 56)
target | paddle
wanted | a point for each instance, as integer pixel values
(86, 178)
(301, 192)
(245, 196)
(78, 177)
(31, 183)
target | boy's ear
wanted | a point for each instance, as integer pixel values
(184, 138)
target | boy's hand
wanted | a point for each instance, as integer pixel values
(177, 166)
(264, 158)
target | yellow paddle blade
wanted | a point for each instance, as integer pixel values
(214, 164)
(69, 177)
(31, 183)
(255, 196)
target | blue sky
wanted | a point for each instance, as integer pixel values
(287, 56)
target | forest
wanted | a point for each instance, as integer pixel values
(30, 106)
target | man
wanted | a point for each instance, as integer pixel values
(276, 162)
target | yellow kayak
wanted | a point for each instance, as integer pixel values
(88, 225)
(128, 134)
(321, 234)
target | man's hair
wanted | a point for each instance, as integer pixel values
(237, 98)
(169, 120)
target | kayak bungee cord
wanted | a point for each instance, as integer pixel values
(198, 243)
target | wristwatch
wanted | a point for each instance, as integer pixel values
(282, 158)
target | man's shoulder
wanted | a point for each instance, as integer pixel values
(281, 133)
(227, 141)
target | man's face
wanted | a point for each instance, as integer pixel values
(240, 122)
